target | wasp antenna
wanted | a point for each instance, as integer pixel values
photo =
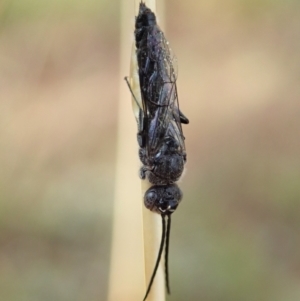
(167, 254)
(161, 248)
(130, 89)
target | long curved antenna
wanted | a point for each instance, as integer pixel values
(161, 248)
(128, 84)
(167, 254)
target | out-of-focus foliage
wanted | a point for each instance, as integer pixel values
(34, 9)
(236, 234)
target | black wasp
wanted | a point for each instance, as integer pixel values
(160, 137)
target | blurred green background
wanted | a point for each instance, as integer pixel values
(236, 234)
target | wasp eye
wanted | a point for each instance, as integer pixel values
(152, 195)
(150, 199)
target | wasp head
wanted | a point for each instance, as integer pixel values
(163, 199)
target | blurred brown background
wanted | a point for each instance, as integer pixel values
(236, 235)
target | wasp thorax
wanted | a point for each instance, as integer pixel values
(163, 199)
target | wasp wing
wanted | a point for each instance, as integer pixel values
(159, 93)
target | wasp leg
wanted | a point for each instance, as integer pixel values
(143, 156)
(143, 172)
(183, 118)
